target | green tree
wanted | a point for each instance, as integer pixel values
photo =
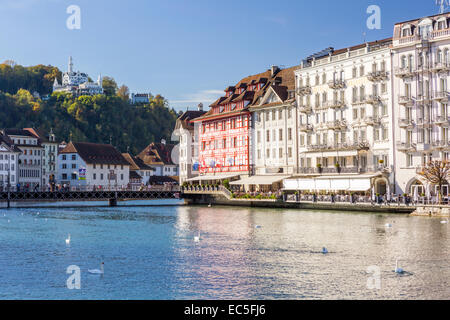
(109, 86)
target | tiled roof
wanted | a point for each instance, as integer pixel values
(18, 132)
(93, 153)
(9, 143)
(162, 179)
(157, 154)
(136, 163)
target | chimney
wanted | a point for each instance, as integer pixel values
(274, 70)
(200, 107)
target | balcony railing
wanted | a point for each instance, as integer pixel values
(360, 145)
(334, 104)
(441, 66)
(304, 90)
(442, 121)
(403, 72)
(336, 84)
(405, 100)
(306, 127)
(372, 99)
(375, 76)
(305, 109)
(441, 95)
(405, 123)
(406, 146)
(372, 120)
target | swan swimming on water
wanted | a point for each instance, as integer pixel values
(68, 240)
(97, 271)
(197, 238)
(397, 269)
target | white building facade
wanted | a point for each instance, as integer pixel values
(30, 159)
(89, 165)
(9, 164)
(421, 68)
(345, 121)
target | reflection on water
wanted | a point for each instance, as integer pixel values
(150, 253)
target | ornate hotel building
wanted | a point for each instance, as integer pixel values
(345, 126)
(421, 50)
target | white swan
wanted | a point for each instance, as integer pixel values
(209, 205)
(97, 271)
(197, 238)
(397, 269)
(324, 250)
(68, 240)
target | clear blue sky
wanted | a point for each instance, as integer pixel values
(189, 50)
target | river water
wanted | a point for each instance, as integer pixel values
(150, 253)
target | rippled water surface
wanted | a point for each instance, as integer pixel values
(150, 253)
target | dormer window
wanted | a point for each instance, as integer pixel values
(406, 31)
(441, 23)
(233, 106)
(425, 28)
(221, 109)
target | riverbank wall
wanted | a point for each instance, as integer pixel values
(218, 198)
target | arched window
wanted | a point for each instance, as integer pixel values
(439, 56)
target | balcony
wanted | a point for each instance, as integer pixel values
(337, 125)
(424, 123)
(406, 123)
(376, 76)
(404, 72)
(359, 100)
(440, 66)
(348, 146)
(336, 84)
(405, 100)
(372, 99)
(423, 68)
(304, 90)
(442, 121)
(441, 96)
(306, 128)
(372, 121)
(406, 146)
(441, 145)
(335, 104)
(305, 109)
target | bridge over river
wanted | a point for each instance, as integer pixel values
(111, 196)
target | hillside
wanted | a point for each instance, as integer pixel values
(87, 118)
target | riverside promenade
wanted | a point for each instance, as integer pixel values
(222, 196)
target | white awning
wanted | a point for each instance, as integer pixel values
(259, 180)
(212, 177)
(328, 183)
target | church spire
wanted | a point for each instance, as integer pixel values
(70, 64)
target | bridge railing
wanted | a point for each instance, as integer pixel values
(96, 188)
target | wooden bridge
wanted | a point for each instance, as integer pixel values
(111, 196)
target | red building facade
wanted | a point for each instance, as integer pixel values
(224, 137)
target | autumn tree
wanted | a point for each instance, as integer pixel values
(124, 93)
(436, 173)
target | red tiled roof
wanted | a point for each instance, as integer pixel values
(157, 154)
